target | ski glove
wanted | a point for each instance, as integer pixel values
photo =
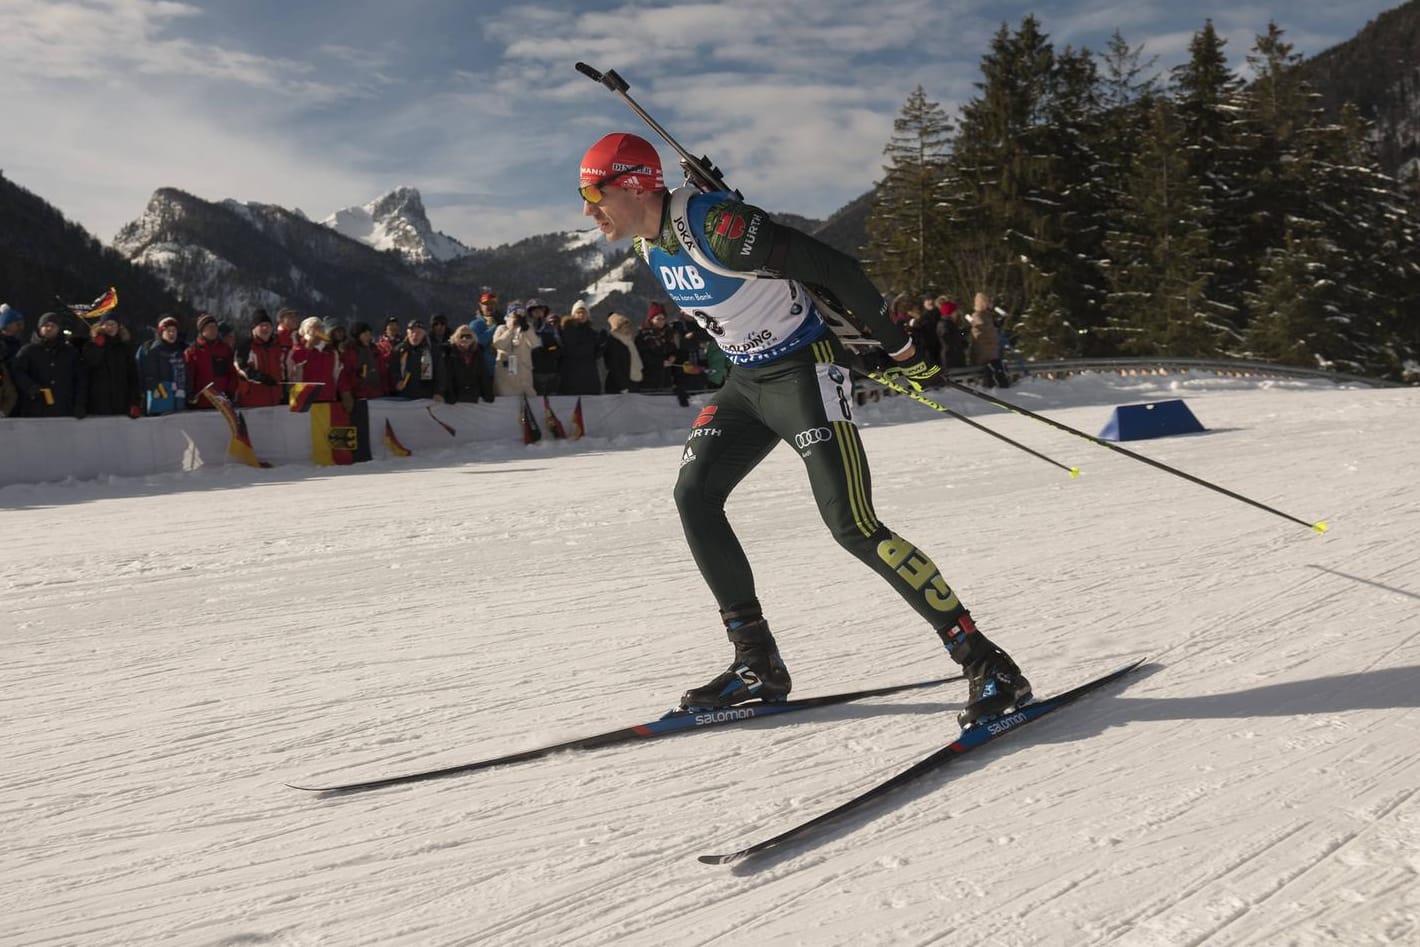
(919, 375)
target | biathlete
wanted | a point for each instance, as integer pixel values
(742, 277)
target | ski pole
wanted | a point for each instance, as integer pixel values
(1320, 526)
(943, 409)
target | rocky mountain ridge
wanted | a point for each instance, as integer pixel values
(397, 221)
(186, 254)
(229, 258)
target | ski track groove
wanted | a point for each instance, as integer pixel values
(1331, 852)
(172, 827)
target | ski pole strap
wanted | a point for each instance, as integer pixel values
(922, 399)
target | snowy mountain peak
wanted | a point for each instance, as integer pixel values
(397, 221)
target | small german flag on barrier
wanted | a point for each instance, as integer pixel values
(239, 446)
(303, 395)
(531, 432)
(392, 443)
(549, 418)
(578, 428)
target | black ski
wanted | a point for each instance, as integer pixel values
(672, 723)
(967, 741)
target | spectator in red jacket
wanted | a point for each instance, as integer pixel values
(320, 363)
(363, 361)
(390, 337)
(261, 365)
(210, 361)
(288, 322)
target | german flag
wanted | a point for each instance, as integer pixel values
(578, 429)
(92, 311)
(531, 432)
(446, 427)
(303, 395)
(392, 443)
(339, 437)
(240, 444)
(549, 418)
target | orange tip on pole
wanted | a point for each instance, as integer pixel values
(1320, 527)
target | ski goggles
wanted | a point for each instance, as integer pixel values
(593, 193)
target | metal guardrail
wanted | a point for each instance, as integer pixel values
(1236, 368)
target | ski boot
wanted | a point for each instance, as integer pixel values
(996, 686)
(757, 672)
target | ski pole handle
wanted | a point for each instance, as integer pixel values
(609, 78)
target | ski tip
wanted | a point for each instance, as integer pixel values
(1131, 667)
(720, 859)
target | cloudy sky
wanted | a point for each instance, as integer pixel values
(320, 105)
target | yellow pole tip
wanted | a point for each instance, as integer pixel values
(1074, 472)
(1320, 527)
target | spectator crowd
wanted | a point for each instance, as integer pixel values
(523, 348)
(948, 337)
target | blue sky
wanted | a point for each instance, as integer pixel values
(321, 105)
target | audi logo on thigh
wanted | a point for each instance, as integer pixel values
(818, 435)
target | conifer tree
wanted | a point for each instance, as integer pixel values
(1065, 209)
(989, 165)
(1159, 250)
(1205, 219)
(1207, 93)
(1021, 156)
(1372, 235)
(1296, 308)
(906, 224)
(1279, 115)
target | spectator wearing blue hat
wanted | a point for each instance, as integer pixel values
(12, 333)
(9, 397)
(547, 356)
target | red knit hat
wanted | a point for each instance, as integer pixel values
(630, 158)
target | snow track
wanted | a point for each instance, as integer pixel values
(177, 648)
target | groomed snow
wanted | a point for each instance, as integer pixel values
(180, 646)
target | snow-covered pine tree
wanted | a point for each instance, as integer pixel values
(1295, 310)
(1159, 249)
(1000, 159)
(1066, 210)
(1207, 95)
(1371, 235)
(906, 224)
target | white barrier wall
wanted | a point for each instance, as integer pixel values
(34, 450)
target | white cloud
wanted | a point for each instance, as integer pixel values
(101, 156)
(106, 100)
(120, 40)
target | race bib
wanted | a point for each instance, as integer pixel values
(835, 387)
